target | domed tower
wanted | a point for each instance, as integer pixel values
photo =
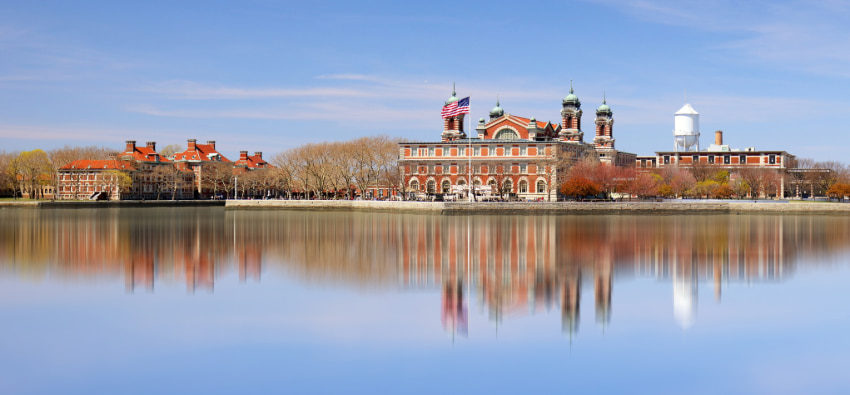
(496, 111)
(453, 126)
(604, 126)
(571, 118)
(686, 129)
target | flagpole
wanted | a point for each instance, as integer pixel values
(469, 182)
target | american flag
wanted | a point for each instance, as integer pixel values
(459, 107)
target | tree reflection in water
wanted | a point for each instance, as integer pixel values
(513, 264)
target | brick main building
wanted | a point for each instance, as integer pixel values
(508, 155)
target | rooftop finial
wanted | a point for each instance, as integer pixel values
(497, 100)
(453, 89)
(571, 86)
(604, 101)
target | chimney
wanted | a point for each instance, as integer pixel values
(192, 145)
(259, 154)
(151, 145)
(131, 146)
(243, 155)
(212, 143)
(718, 137)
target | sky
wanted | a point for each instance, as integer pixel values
(262, 75)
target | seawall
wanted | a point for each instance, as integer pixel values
(110, 204)
(731, 207)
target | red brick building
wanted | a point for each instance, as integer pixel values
(507, 155)
(195, 157)
(150, 176)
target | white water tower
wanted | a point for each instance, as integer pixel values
(686, 129)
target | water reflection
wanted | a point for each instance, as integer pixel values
(511, 265)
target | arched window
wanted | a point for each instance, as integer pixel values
(523, 186)
(477, 182)
(541, 186)
(508, 186)
(461, 182)
(506, 134)
(447, 187)
(431, 187)
(414, 185)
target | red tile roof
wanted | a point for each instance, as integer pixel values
(145, 154)
(253, 162)
(527, 120)
(99, 164)
(201, 153)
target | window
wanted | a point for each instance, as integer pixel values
(771, 159)
(727, 159)
(711, 159)
(492, 151)
(477, 151)
(742, 159)
(414, 185)
(508, 186)
(431, 186)
(695, 158)
(523, 186)
(523, 151)
(523, 168)
(666, 159)
(447, 187)
(506, 134)
(541, 186)
(430, 151)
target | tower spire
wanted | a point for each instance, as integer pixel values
(571, 86)
(453, 89)
(604, 101)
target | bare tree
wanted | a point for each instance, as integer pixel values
(555, 165)
(218, 176)
(169, 150)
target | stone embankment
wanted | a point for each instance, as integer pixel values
(109, 203)
(730, 207)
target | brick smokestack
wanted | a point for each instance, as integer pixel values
(131, 146)
(259, 154)
(718, 137)
(191, 146)
(212, 143)
(151, 145)
(243, 155)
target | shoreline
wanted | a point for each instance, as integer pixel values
(109, 203)
(460, 208)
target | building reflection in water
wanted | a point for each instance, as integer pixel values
(510, 265)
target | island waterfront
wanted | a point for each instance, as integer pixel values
(508, 158)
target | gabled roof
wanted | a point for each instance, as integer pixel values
(145, 154)
(201, 152)
(253, 162)
(99, 164)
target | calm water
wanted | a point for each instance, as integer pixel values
(202, 300)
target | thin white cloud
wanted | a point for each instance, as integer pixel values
(806, 36)
(348, 77)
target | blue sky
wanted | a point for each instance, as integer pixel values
(270, 75)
